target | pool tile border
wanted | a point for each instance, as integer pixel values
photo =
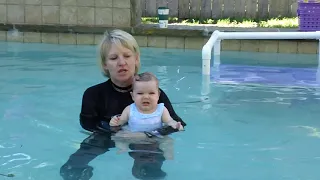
(272, 46)
(151, 36)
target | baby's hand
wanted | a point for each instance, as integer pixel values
(115, 121)
(177, 125)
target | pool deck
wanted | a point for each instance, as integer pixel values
(176, 30)
(206, 29)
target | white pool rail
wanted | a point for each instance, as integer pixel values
(214, 43)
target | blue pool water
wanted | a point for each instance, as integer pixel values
(271, 76)
(237, 131)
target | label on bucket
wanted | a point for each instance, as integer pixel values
(163, 23)
(163, 11)
(163, 17)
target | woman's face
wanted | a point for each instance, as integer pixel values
(121, 63)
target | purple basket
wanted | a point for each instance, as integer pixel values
(309, 1)
(309, 16)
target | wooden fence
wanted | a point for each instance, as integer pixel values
(212, 9)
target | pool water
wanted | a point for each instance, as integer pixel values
(271, 76)
(237, 131)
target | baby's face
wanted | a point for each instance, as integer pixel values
(146, 95)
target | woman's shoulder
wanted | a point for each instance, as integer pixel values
(163, 95)
(95, 89)
(162, 92)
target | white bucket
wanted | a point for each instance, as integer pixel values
(163, 15)
(163, 23)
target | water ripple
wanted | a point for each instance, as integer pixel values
(313, 132)
(42, 165)
(20, 157)
(7, 146)
(40, 124)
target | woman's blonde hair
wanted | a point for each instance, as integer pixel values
(119, 38)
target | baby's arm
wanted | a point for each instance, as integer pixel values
(167, 119)
(124, 116)
(119, 121)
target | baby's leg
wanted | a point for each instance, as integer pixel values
(167, 146)
(123, 146)
(120, 142)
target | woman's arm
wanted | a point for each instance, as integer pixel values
(164, 99)
(88, 115)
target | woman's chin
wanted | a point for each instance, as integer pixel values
(127, 79)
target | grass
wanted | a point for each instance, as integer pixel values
(233, 22)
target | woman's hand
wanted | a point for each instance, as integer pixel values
(115, 121)
(132, 137)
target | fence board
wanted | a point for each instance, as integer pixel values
(184, 9)
(279, 8)
(205, 9)
(240, 8)
(173, 7)
(195, 6)
(273, 7)
(143, 8)
(217, 9)
(263, 6)
(228, 10)
(162, 3)
(251, 8)
(151, 8)
(294, 8)
(284, 7)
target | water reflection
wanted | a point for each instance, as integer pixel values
(266, 76)
(147, 158)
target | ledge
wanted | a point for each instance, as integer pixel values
(210, 28)
(173, 30)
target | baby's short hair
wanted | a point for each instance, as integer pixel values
(145, 77)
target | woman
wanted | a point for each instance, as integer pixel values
(119, 61)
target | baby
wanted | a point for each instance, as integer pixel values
(145, 114)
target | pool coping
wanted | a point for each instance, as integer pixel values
(173, 30)
(149, 35)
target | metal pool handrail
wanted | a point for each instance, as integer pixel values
(216, 37)
(215, 43)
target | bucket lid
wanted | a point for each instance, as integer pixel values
(163, 8)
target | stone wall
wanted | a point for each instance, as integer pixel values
(89, 13)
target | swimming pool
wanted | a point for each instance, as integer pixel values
(240, 132)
